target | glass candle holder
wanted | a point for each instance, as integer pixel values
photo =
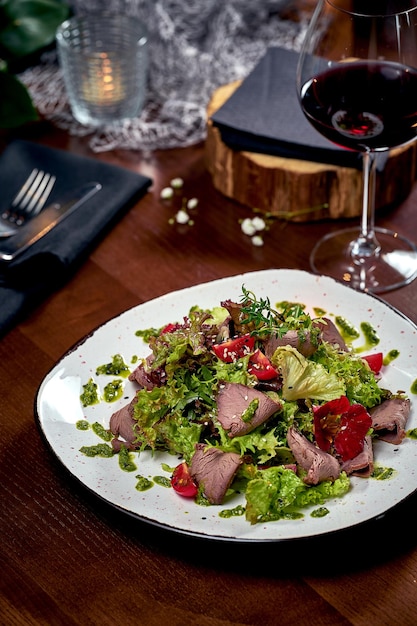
(104, 60)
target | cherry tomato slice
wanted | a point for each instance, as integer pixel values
(375, 361)
(182, 481)
(327, 421)
(342, 425)
(354, 425)
(261, 367)
(233, 349)
(169, 328)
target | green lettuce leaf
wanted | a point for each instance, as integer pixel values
(171, 414)
(305, 379)
(180, 436)
(236, 372)
(263, 445)
(218, 314)
(277, 493)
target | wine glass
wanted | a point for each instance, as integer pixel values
(357, 85)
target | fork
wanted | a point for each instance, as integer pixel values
(28, 202)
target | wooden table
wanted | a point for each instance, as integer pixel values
(68, 559)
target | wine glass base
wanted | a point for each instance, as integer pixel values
(394, 266)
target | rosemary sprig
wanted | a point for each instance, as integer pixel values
(258, 313)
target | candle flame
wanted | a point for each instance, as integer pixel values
(103, 84)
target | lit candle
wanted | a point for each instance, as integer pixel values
(102, 84)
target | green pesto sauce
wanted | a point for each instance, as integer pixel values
(290, 515)
(113, 391)
(391, 356)
(284, 305)
(412, 433)
(90, 394)
(274, 517)
(162, 481)
(322, 511)
(143, 483)
(167, 468)
(116, 368)
(318, 312)
(383, 473)
(134, 359)
(101, 449)
(200, 498)
(148, 333)
(101, 432)
(346, 329)
(82, 425)
(126, 460)
(413, 388)
(250, 410)
(238, 511)
(371, 336)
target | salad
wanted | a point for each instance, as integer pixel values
(261, 400)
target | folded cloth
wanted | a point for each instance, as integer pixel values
(264, 115)
(43, 267)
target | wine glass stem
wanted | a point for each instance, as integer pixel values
(366, 246)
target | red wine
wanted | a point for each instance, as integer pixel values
(363, 104)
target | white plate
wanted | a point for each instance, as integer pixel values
(58, 409)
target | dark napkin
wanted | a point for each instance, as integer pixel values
(264, 115)
(35, 273)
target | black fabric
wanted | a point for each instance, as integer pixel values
(45, 266)
(264, 115)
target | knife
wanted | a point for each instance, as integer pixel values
(48, 218)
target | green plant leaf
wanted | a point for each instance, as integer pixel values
(17, 108)
(30, 25)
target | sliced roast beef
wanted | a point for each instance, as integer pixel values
(146, 377)
(330, 334)
(363, 463)
(303, 341)
(319, 465)
(389, 419)
(122, 425)
(237, 411)
(269, 385)
(118, 444)
(300, 341)
(214, 471)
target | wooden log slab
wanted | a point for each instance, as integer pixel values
(298, 190)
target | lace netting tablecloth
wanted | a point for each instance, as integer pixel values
(194, 47)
